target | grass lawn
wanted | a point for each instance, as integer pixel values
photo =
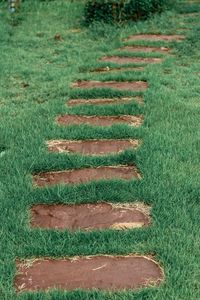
(36, 71)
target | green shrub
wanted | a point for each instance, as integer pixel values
(104, 10)
(120, 10)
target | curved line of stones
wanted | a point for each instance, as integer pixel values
(21, 266)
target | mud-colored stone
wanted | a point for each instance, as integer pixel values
(86, 175)
(92, 147)
(155, 37)
(95, 272)
(104, 101)
(89, 216)
(131, 60)
(117, 85)
(109, 69)
(145, 49)
(100, 120)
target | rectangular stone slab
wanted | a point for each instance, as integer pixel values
(155, 37)
(100, 120)
(104, 101)
(145, 49)
(89, 216)
(91, 147)
(85, 175)
(131, 60)
(117, 85)
(110, 273)
(109, 69)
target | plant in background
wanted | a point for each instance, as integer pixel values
(13, 5)
(104, 10)
(120, 10)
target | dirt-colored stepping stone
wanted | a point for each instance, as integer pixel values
(92, 147)
(104, 101)
(100, 120)
(109, 69)
(145, 49)
(90, 216)
(117, 85)
(155, 37)
(130, 60)
(95, 272)
(86, 175)
(194, 14)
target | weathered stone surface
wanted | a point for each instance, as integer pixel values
(86, 175)
(92, 147)
(145, 49)
(100, 120)
(155, 37)
(131, 60)
(117, 85)
(96, 272)
(109, 69)
(104, 101)
(90, 216)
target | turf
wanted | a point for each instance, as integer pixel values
(36, 73)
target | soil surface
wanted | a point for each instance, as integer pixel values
(118, 85)
(100, 120)
(85, 175)
(129, 60)
(92, 147)
(155, 37)
(103, 101)
(145, 49)
(97, 272)
(88, 216)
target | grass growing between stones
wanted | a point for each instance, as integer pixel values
(36, 72)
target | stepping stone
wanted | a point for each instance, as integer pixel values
(117, 85)
(103, 101)
(92, 147)
(155, 37)
(194, 14)
(145, 49)
(111, 273)
(109, 69)
(100, 120)
(130, 60)
(86, 175)
(89, 216)
(2, 153)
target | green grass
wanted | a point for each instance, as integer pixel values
(36, 73)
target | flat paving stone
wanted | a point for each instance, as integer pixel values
(117, 85)
(194, 14)
(104, 101)
(155, 37)
(130, 60)
(111, 273)
(92, 147)
(89, 216)
(85, 175)
(145, 49)
(109, 69)
(100, 120)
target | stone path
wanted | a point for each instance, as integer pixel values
(102, 271)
